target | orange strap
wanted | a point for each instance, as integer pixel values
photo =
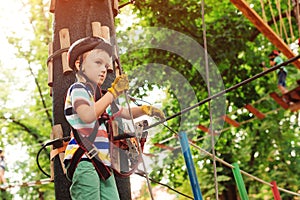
(59, 150)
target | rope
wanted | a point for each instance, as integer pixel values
(131, 116)
(139, 146)
(282, 26)
(165, 185)
(266, 97)
(209, 103)
(218, 132)
(27, 184)
(279, 14)
(243, 172)
(288, 14)
(273, 17)
(192, 143)
(263, 11)
(227, 90)
(56, 53)
(298, 16)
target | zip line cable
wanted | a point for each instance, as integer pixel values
(219, 132)
(226, 91)
(231, 166)
(165, 185)
(130, 113)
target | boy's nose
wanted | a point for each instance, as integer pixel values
(103, 71)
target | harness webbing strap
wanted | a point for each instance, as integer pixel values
(86, 145)
(57, 151)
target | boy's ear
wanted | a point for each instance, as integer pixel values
(77, 64)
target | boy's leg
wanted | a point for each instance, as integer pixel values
(2, 178)
(108, 189)
(85, 182)
(281, 82)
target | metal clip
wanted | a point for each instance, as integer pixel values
(133, 152)
(139, 130)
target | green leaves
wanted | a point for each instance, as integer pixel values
(262, 147)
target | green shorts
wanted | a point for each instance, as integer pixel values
(86, 184)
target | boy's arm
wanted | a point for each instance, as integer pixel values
(272, 63)
(88, 113)
(136, 112)
(103, 103)
(142, 110)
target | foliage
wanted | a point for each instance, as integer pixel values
(30, 124)
(264, 148)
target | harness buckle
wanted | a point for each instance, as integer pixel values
(92, 152)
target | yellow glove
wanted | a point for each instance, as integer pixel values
(152, 111)
(120, 84)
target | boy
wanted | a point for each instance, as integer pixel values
(2, 168)
(88, 160)
(275, 59)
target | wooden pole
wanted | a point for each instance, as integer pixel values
(265, 29)
(77, 16)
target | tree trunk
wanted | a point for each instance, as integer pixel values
(41, 195)
(230, 193)
(77, 16)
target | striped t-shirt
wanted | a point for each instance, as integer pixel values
(79, 94)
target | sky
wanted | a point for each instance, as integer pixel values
(13, 23)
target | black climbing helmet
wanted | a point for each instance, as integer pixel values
(83, 45)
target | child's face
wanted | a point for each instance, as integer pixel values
(272, 62)
(95, 65)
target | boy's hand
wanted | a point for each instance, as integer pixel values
(153, 112)
(120, 84)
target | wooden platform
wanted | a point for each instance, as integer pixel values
(289, 100)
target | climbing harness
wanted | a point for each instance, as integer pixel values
(87, 147)
(129, 144)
